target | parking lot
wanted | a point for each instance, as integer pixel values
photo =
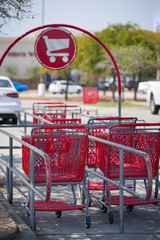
(142, 222)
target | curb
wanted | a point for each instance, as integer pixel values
(8, 227)
(15, 226)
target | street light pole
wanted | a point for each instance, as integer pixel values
(43, 10)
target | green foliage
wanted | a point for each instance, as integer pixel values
(34, 72)
(58, 74)
(86, 82)
(12, 71)
(133, 59)
(134, 50)
(88, 54)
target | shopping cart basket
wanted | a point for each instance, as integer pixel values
(63, 114)
(140, 136)
(90, 96)
(66, 147)
(99, 127)
(39, 106)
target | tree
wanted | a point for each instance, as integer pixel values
(119, 34)
(14, 9)
(154, 39)
(131, 61)
(89, 53)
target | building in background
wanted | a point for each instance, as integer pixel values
(20, 61)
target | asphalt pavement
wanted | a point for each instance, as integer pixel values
(141, 223)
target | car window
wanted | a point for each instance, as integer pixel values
(5, 84)
(63, 83)
(72, 83)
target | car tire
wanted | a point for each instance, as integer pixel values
(153, 107)
(14, 120)
(62, 91)
(5, 120)
(78, 91)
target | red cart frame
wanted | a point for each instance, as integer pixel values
(38, 109)
(144, 137)
(63, 114)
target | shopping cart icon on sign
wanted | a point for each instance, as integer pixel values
(54, 45)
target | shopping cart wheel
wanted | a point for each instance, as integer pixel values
(58, 214)
(88, 222)
(111, 218)
(129, 208)
(102, 207)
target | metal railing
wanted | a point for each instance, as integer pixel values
(30, 184)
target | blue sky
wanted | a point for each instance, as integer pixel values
(91, 15)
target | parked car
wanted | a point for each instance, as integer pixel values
(9, 101)
(103, 84)
(20, 87)
(152, 91)
(143, 86)
(60, 87)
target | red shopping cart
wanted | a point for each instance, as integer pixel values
(38, 108)
(140, 136)
(63, 114)
(90, 96)
(99, 127)
(66, 148)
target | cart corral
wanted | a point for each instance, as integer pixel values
(105, 161)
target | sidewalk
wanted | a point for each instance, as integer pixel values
(11, 225)
(142, 223)
(8, 227)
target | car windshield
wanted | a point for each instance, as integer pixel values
(5, 84)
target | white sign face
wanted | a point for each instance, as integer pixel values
(55, 48)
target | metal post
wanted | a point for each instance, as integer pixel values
(43, 10)
(9, 173)
(121, 180)
(157, 184)
(32, 217)
(119, 106)
(25, 123)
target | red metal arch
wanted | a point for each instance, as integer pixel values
(79, 29)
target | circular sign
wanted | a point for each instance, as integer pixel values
(55, 48)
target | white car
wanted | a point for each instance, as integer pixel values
(60, 87)
(144, 86)
(9, 101)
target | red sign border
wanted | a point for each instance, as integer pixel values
(62, 29)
